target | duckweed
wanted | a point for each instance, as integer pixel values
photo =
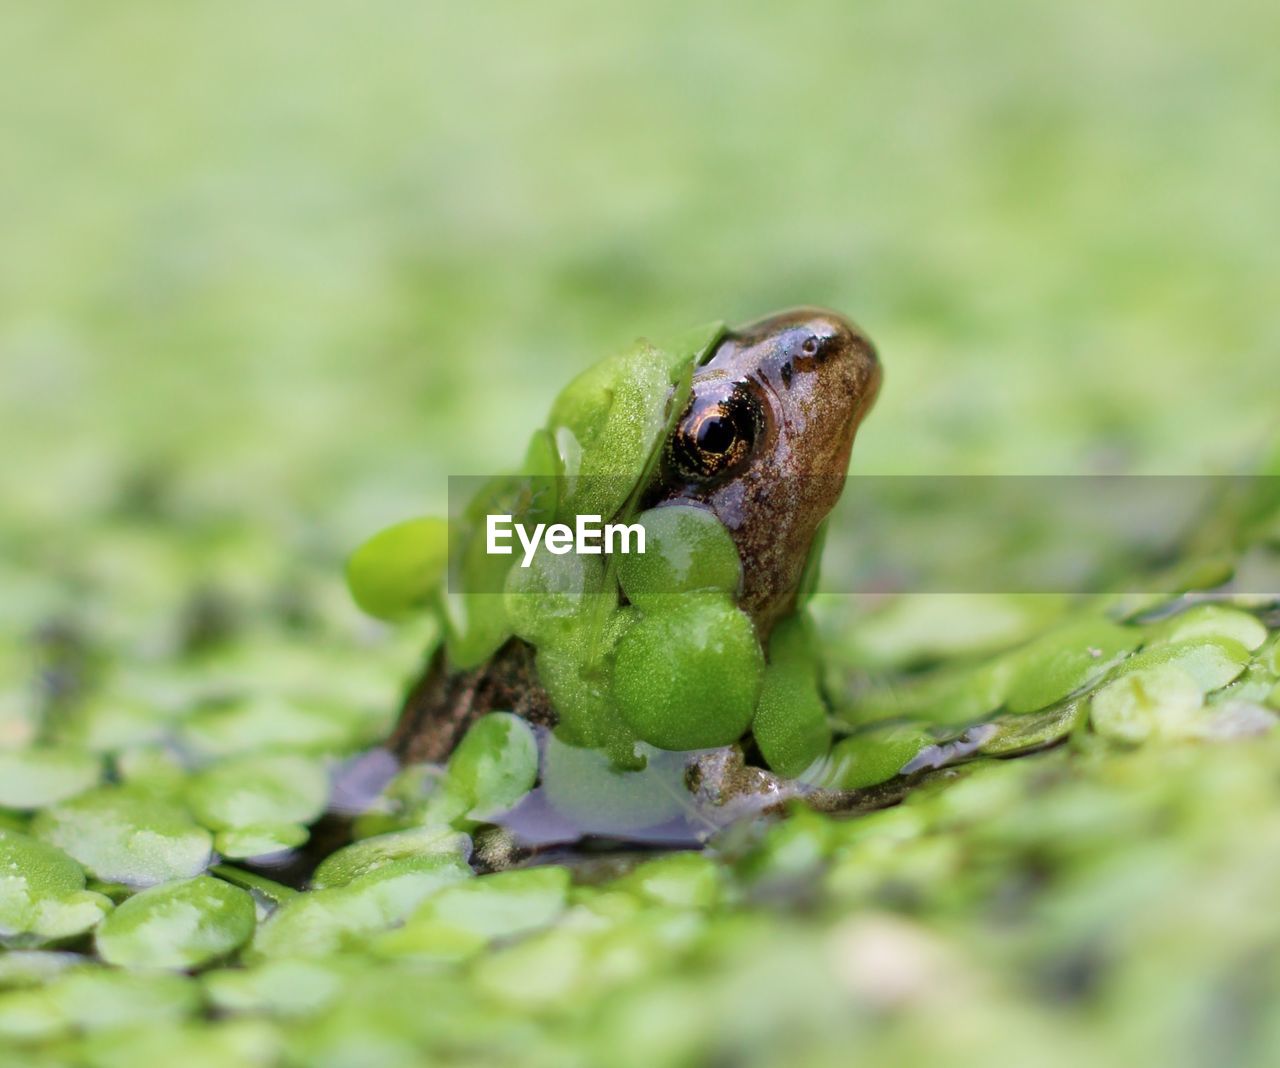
(494, 766)
(44, 775)
(228, 354)
(585, 785)
(42, 894)
(259, 804)
(179, 925)
(687, 549)
(688, 674)
(124, 835)
(400, 569)
(790, 723)
(1160, 701)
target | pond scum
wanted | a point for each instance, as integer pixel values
(269, 279)
(1111, 893)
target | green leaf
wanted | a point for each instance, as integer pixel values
(495, 764)
(687, 676)
(1057, 664)
(1211, 662)
(178, 925)
(479, 910)
(128, 836)
(94, 1000)
(547, 601)
(44, 775)
(260, 840)
(42, 893)
(322, 921)
(432, 847)
(1160, 701)
(871, 756)
(608, 422)
(681, 880)
(790, 724)
(687, 548)
(399, 569)
(269, 794)
(1211, 621)
(586, 786)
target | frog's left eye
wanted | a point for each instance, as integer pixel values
(716, 435)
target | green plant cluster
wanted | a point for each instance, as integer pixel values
(635, 648)
(268, 280)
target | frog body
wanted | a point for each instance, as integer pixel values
(758, 432)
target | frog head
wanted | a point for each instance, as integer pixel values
(764, 443)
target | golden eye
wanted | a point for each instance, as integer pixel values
(715, 436)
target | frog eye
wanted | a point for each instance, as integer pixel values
(716, 435)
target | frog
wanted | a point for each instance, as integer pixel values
(748, 428)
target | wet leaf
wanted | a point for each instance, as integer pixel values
(1160, 701)
(259, 804)
(398, 570)
(128, 836)
(426, 847)
(44, 775)
(180, 925)
(42, 893)
(474, 912)
(323, 921)
(495, 765)
(1065, 660)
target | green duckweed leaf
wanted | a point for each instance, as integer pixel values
(790, 725)
(128, 836)
(871, 756)
(495, 764)
(259, 841)
(608, 422)
(281, 987)
(93, 1000)
(399, 569)
(1065, 660)
(42, 893)
(1022, 731)
(258, 804)
(687, 676)
(1211, 662)
(1163, 700)
(247, 1043)
(278, 724)
(681, 880)
(546, 601)
(687, 549)
(1211, 621)
(44, 775)
(323, 921)
(578, 677)
(476, 625)
(587, 787)
(559, 959)
(464, 917)
(431, 846)
(178, 925)
(24, 968)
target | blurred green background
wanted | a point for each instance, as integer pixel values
(270, 273)
(303, 261)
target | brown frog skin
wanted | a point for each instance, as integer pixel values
(764, 443)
